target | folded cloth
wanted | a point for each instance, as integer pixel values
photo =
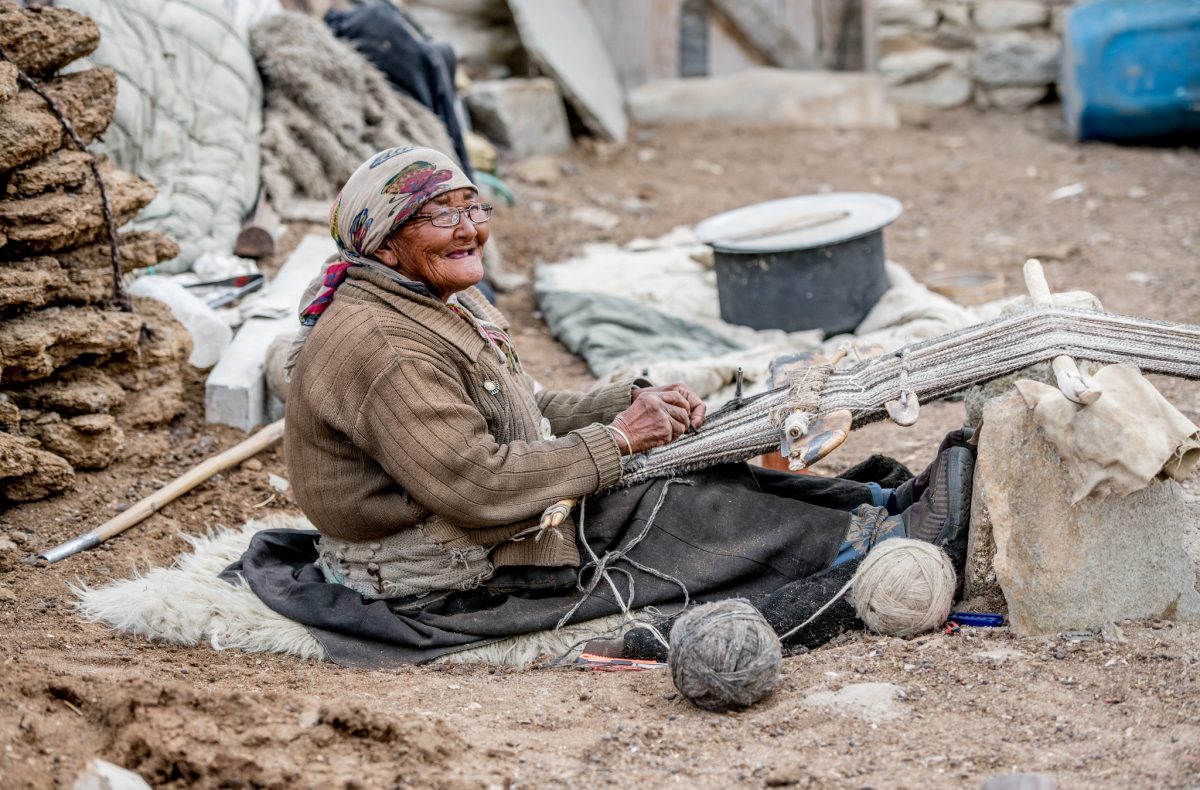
(1122, 441)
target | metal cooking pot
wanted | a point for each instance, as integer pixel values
(808, 262)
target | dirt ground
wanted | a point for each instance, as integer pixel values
(1090, 713)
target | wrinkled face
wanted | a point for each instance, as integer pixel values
(446, 259)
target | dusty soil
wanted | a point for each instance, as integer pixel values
(972, 705)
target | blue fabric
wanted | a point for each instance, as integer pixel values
(848, 553)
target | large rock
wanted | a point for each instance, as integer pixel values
(1017, 59)
(946, 90)
(43, 40)
(28, 472)
(907, 13)
(34, 345)
(998, 15)
(807, 99)
(525, 116)
(29, 129)
(1064, 567)
(912, 65)
(66, 219)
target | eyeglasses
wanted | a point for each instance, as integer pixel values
(450, 217)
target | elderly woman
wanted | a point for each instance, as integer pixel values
(425, 456)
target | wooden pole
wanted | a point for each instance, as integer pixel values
(167, 494)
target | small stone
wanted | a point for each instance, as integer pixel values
(280, 484)
(1012, 59)
(999, 15)
(252, 465)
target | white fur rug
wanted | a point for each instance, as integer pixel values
(187, 604)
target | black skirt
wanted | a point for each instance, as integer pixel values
(728, 531)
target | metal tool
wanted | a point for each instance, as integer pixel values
(237, 287)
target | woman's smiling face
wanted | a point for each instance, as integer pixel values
(446, 259)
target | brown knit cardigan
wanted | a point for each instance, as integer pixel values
(401, 416)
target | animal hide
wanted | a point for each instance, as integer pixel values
(188, 604)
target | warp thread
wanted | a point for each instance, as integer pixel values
(804, 393)
(903, 587)
(724, 655)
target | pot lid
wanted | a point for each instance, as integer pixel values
(799, 223)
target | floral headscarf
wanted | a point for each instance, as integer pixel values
(384, 192)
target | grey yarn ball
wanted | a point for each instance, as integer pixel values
(724, 655)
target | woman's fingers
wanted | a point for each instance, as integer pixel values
(682, 395)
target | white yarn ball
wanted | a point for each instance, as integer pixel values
(904, 587)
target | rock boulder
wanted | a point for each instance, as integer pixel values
(1063, 566)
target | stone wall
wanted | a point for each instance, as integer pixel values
(998, 54)
(78, 372)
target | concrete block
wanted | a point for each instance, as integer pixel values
(806, 99)
(235, 393)
(525, 116)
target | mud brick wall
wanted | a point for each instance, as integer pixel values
(78, 372)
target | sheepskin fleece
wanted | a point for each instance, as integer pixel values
(327, 110)
(188, 604)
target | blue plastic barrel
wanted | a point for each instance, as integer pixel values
(1131, 70)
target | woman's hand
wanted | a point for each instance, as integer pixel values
(695, 406)
(653, 419)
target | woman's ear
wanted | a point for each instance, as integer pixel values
(385, 255)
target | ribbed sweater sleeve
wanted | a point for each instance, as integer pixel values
(567, 410)
(449, 462)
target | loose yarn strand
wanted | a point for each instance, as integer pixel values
(602, 567)
(903, 587)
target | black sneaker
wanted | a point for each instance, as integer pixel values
(942, 513)
(911, 491)
(515, 578)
